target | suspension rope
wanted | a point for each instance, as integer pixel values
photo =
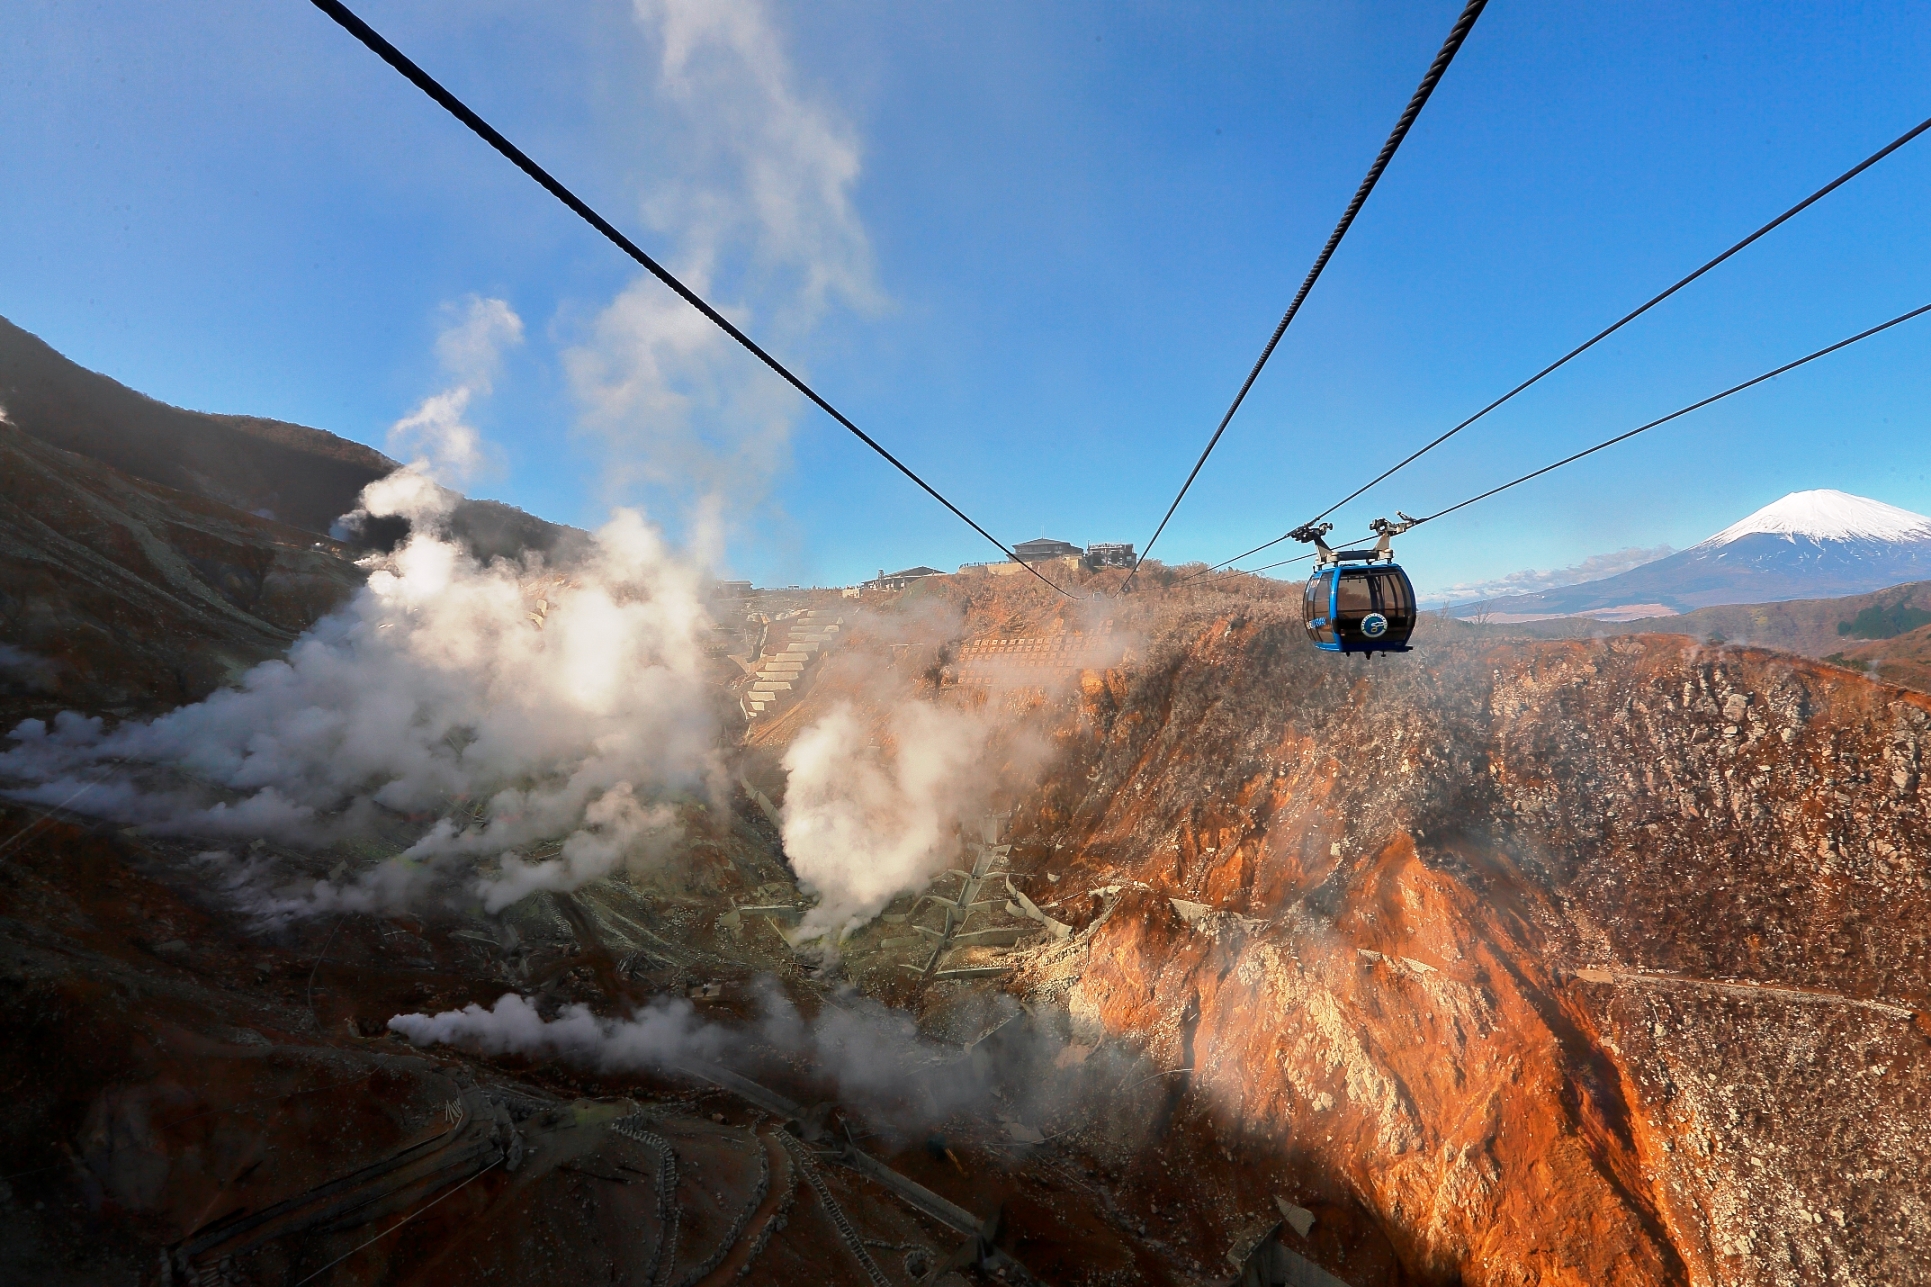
(363, 32)
(1456, 35)
(1881, 327)
(1899, 320)
(1607, 331)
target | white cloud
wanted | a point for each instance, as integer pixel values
(682, 407)
(471, 345)
(772, 169)
(760, 219)
(1593, 568)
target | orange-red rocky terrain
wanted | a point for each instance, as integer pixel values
(1507, 961)
(1566, 961)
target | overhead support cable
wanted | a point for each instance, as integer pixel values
(1456, 35)
(422, 80)
(1881, 327)
(1610, 330)
(1680, 412)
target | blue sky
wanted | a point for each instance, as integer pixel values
(1032, 248)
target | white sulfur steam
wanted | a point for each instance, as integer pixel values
(519, 703)
(435, 438)
(863, 823)
(873, 1058)
(526, 707)
(443, 449)
(766, 167)
(661, 1035)
(548, 718)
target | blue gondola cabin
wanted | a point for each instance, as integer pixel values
(1358, 601)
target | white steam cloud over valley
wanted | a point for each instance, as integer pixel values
(534, 724)
(871, 1058)
(516, 703)
(863, 823)
(466, 732)
(545, 718)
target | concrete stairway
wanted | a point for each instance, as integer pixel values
(793, 648)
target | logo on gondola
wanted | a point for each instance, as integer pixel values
(1374, 625)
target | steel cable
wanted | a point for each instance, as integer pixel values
(1899, 320)
(1607, 331)
(368, 35)
(1456, 35)
(1698, 405)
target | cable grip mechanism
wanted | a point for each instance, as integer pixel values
(1384, 552)
(1311, 534)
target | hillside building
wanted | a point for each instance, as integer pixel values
(1045, 548)
(1045, 551)
(900, 579)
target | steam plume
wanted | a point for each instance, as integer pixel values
(519, 703)
(442, 448)
(874, 1058)
(863, 823)
(758, 209)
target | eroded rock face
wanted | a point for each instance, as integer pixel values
(1578, 962)
(1510, 961)
(116, 592)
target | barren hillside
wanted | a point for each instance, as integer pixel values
(121, 594)
(1573, 961)
(1508, 960)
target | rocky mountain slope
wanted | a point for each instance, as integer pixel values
(1511, 960)
(195, 1100)
(286, 473)
(1904, 659)
(1807, 545)
(1572, 961)
(1476, 993)
(291, 473)
(1415, 937)
(121, 594)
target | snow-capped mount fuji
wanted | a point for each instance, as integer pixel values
(1809, 545)
(1826, 515)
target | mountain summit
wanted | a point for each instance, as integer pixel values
(1826, 515)
(1808, 545)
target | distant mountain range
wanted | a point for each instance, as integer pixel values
(1815, 544)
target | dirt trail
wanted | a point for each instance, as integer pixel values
(1745, 990)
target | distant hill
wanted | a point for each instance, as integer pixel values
(1811, 627)
(306, 478)
(291, 473)
(1808, 545)
(1904, 660)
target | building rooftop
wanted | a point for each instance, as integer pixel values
(1046, 547)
